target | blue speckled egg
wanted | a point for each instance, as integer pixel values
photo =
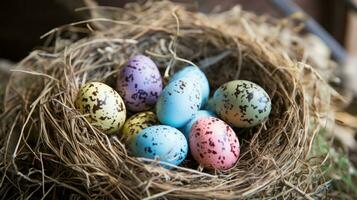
(178, 102)
(161, 141)
(139, 83)
(200, 114)
(194, 74)
(242, 103)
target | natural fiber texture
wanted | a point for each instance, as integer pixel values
(49, 149)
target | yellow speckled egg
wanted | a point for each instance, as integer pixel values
(102, 106)
(136, 123)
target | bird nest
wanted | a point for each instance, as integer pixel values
(48, 149)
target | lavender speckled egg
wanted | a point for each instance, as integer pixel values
(242, 103)
(139, 83)
(178, 103)
(102, 105)
(200, 114)
(197, 75)
(161, 141)
(214, 144)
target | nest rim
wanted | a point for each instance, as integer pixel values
(271, 154)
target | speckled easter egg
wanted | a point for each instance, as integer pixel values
(200, 114)
(214, 144)
(161, 141)
(136, 123)
(194, 74)
(102, 106)
(178, 102)
(139, 83)
(242, 103)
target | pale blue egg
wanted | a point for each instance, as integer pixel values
(161, 141)
(197, 75)
(178, 102)
(200, 114)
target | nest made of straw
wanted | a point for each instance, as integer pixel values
(49, 150)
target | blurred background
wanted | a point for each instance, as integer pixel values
(23, 22)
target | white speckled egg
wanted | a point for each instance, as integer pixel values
(242, 103)
(102, 106)
(178, 102)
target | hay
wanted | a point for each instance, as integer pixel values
(49, 150)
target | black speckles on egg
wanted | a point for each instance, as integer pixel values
(219, 149)
(138, 122)
(243, 108)
(242, 103)
(182, 84)
(97, 101)
(211, 143)
(148, 150)
(178, 103)
(140, 83)
(129, 78)
(164, 142)
(250, 95)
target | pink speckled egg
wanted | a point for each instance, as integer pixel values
(139, 83)
(214, 144)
